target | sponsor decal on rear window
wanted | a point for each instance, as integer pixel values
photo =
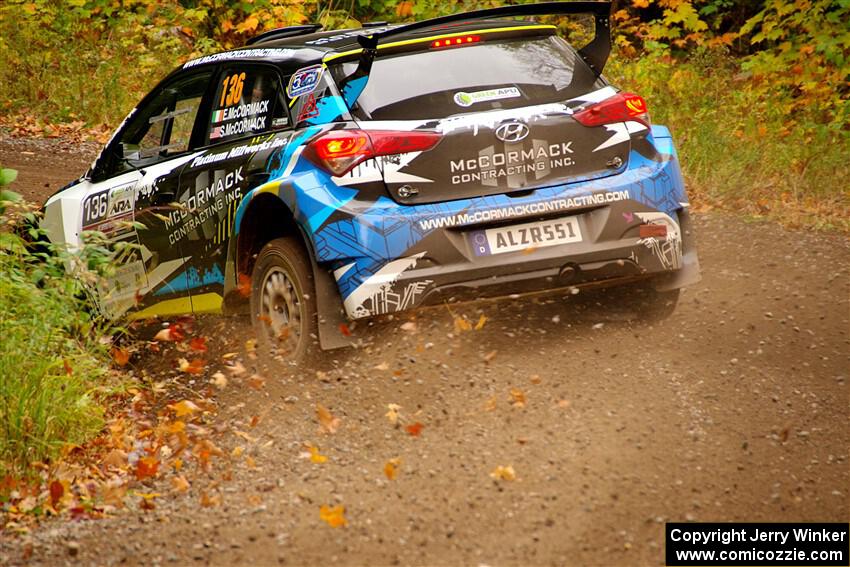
(304, 81)
(468, 99)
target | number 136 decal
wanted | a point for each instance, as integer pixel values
(235, 82)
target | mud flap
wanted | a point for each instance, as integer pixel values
(690, 272)
(330, 311)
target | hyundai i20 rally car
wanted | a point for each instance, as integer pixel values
(314, 177)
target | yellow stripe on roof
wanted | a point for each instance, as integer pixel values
(441, 36)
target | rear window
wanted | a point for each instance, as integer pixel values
(491, 75)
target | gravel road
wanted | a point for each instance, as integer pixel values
(734, 409)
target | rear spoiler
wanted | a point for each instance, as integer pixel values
(595, 53)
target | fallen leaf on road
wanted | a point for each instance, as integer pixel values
(171, 333)
(257, 382)
(146, 467)
(121, 356)
(410, 327)
(179, 483)
(382, 366)
(490, 405)
(344, 330)
(198, 344)
(335, 517)
(391, 468)
(183, 408)
(392, 414)
(503, 473)
(563, 404)
(535, 379)
(196, 366)
(315, 457)
(219, 380)
(208, 501)
(327, 420)
(490, 355)
(481, 321)
(414, 429)
(518, 397)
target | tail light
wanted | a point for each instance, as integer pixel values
(618, 108)
(339, 151)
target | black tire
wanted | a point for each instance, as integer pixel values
(283, 304)
(655, 306)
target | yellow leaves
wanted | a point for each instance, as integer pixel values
(335, 517)
(640, 4)
(329, 424)
(391, 468)
(503, 473)
(315, 457)
(518, 399)
(183, 408)
(179, 483)
(248, 25)
(481, 321)
(462, 325)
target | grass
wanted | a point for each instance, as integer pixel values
(53, 368)
(740, 147)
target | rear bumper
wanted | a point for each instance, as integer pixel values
(386, 257)
(611, 252)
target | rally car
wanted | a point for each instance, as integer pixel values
(316, 177)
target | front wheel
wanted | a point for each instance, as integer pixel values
(283, 305)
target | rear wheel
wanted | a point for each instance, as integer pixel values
(283, 306)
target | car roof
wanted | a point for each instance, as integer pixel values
(312, 48)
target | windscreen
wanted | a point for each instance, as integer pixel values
(490, 75)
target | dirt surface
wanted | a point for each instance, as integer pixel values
(734, 409)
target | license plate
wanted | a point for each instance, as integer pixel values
(525, 236)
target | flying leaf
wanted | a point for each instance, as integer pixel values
(335, 517)
(244, 285)
(503, 473)
(414, 429)
(461, 324)
(391, 468)
(327, 420)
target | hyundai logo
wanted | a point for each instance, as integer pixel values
(512, 132)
